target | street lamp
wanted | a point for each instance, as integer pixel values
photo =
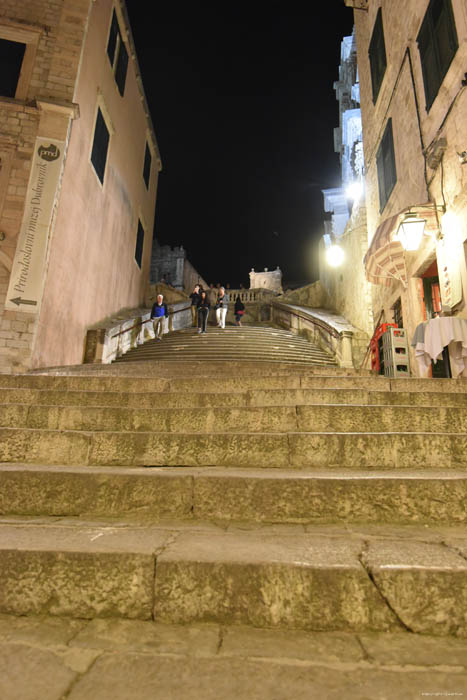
(334, 255)
(410, 231)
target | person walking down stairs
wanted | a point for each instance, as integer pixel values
(239, 310)
(194, 296)
(158, 313)
(222, 306)
(203, 312)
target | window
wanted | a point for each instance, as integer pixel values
(386, 165)
(11, 60)
(118, 54)
(437, 43)
(139, 244)
(397, 313)
(377, 55)
(147, 166)
(100, 145)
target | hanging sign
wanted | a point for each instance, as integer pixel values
(450, 281)
(27, 273)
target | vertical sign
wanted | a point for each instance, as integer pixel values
(27, 274)
(450, 281)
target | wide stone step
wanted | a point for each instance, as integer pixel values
(219, 495)
(252, 419)
(251, 397)
(323, 579)
(227, 380)
(251, 344)
(397, 450)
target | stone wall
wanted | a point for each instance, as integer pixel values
(346, 288)
(171, 266)
(88, 269)
(426, 147)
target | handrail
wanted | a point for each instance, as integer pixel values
(307, 317)
(141, 323)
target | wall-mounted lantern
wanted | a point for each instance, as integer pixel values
(410, 231)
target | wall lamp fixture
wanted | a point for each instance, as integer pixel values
(410, 231)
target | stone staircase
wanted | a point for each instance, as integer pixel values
(266, 494)
(245, 343)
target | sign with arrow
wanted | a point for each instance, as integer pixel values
(19, 301)
(28, 269)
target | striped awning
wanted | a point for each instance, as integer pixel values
(385, 258)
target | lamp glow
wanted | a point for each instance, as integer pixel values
(410, 232)
(354, 190)
(334, 256)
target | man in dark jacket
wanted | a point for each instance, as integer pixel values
(194, 296)
(158, 313)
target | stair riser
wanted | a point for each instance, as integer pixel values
(76, 584)
(224, 383)
(253, 397)
(159, 496)
(303, 592)
(63, 493)
(296, 450)
(269, 595)
(278, 419)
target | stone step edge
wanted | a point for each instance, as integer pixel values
(252, 495)
(246, 578)
(216, 396)
(260, 473)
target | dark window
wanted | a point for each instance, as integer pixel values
(437, 43)
(377, 55)
(386, 164)
(121, 68)
(11, 60)
(147, 166)
(117, 53)
(100, 146)
(397, 313)
(113, 37)
(139, 244)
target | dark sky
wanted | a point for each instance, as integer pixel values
(244, 111)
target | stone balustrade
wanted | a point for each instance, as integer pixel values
(113, 338)
(328, 330)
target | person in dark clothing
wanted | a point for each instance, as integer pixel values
(158, 313)
(203, 312)
(194, 296)
(239, 310)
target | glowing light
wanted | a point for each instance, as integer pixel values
(411, 231)
(334, 256)
(354, 190)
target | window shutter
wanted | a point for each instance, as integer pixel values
(100, 146)
(122, 66)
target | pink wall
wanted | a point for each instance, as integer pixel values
(92, 271)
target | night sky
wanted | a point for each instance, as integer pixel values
(244, 111)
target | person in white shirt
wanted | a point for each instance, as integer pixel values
(222, 305)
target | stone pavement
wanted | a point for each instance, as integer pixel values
(51, 658)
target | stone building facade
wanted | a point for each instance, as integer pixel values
(346, 288)
(171, 265)
(268, 279)
(412, 58)
(78, 177)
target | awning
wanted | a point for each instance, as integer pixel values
(385, 258)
